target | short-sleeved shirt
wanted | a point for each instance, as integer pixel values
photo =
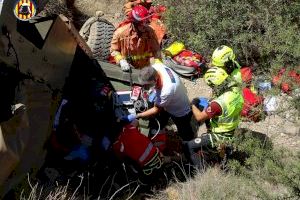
(173, 95)
(213, 110)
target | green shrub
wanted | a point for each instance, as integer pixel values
(276, 167)
(263, 33)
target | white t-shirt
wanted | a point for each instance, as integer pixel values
(173, 95)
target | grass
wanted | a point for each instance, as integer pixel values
(213, 184)
(267, 173)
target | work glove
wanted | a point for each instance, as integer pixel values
(124, 65)
(200, 102)
(129, 118)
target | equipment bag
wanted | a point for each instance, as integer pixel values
(252, 108)
(287, 79)
(187, 64)
(246, 74)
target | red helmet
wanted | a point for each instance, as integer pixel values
(140, 13)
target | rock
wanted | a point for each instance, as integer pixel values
(291, 129)
(117, 15)
(99, 13)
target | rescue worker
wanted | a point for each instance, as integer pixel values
(156, 14)
(134, 42)
(171, 99)
(223, 113)
(137, 149)
(224, 57)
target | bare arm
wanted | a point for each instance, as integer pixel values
(200, 116)
(150, 112)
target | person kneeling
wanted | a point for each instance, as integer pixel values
(223, 114)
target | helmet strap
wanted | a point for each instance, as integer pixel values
(218, 90)
(137, 29)
(229, 66)
(224, 87)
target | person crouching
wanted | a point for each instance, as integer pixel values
(135, 149)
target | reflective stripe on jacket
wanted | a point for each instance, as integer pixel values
(136, 49)
(231, 103)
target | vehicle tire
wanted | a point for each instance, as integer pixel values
(101, 33)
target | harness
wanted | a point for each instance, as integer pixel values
(153, 164)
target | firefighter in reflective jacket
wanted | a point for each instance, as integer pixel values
(133, 145)
(223, 113)
(156, 13)
(134, 42)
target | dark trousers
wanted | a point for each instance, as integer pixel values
(183, 124)
(193, 149)
(198, 150)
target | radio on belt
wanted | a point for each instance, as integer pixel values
(136, 91)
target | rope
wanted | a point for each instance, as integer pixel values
(138, 104)
(11, 46)
(28, 75)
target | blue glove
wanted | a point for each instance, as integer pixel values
(200, 102)
(105, 143)
(129, 118)
(152, 96)
(203, 103)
